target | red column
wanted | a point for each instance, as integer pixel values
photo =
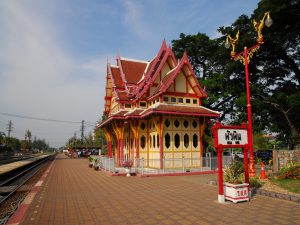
(118, 152)
(137, 147)
(109, 147)
(122, 150)
(161, 154)
(250, 136)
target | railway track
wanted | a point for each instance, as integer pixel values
(15, 182)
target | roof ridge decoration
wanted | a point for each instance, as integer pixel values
(162, 48)
(134, 60)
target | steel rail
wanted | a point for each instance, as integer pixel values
(37, 166)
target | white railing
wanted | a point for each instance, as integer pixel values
(157, 166)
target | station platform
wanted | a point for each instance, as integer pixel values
(74, 194)
(11, 166)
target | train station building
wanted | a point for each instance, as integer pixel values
(154, 111)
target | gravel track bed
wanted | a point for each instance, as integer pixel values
(10, 206)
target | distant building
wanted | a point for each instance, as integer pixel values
(154, 110)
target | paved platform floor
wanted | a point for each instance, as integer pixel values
(74, 194)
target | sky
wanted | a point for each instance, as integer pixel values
(53, 54)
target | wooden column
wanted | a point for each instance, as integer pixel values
(159, 130)
(118, 128)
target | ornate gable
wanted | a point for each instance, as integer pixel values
(132, 81)
(181, 79)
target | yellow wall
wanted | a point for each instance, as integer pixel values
(180, 83)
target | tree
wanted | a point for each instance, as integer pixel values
(39, 144)
(2, 138)
(274, 70)
(280, 63)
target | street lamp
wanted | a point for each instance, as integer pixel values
(244, 57)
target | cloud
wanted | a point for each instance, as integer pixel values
(38, 78)
(133, 20)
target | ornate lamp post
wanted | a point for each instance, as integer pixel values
(244, 57)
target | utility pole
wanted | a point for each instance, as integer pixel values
(82, 131)
(9, 128)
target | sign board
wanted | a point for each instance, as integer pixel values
(232, 136)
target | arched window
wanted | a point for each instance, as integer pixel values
(176, 123)
(143, 141)
(167, 123)
(157, 137)
(195, 140)
(150, 141)
(167, 140)
(177, 140)
(186, 140)
(153, 141)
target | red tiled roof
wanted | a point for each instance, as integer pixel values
(181, 110)
(116, 75)
(122, 95)
(135, 113)
(133, 70)
(120, 113)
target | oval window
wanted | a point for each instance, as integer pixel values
(176, 123)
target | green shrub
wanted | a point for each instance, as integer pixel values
(292, 171)
(233, 173)
(90, 158)
(254, 182)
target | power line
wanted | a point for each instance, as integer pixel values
(37, 118)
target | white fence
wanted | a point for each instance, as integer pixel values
(178, 165)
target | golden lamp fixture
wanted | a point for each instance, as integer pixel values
(266, 20)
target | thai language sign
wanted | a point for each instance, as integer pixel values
(232, 137)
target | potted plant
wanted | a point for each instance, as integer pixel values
(127, 164)
(235, 189)
(96, 163)
(90, 158)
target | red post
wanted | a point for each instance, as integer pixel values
(250, 136)
(220, 173)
